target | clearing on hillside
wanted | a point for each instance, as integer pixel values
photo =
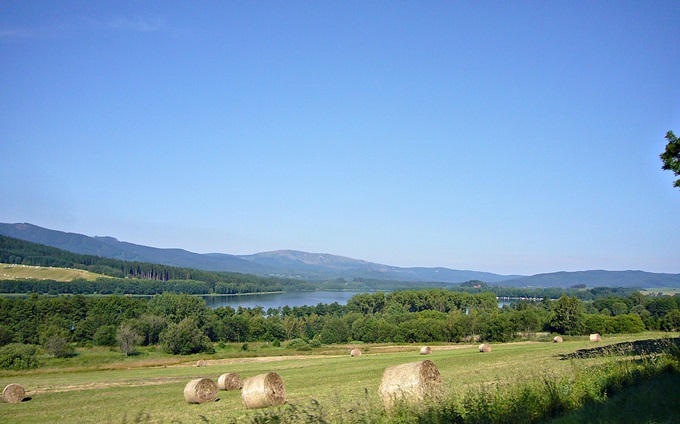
(25, 272)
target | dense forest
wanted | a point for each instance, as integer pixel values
(183, 324)
(129, 277)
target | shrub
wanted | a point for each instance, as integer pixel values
(298, 344)
(315, 343)
(55, 342)
(17, 356)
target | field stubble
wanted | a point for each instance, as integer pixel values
(152, 392)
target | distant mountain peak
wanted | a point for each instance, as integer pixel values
(320, 266)
(107, 239)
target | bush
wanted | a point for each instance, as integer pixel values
(55, 342)
(298, 344)
(17, 356)
(315, 343)
(185, 338)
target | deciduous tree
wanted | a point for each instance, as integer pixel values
(128, 339)
(567, 316)
(671, 157)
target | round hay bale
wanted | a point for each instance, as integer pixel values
(411, 383)
(595, 338)
(201, 363)
(355, 352)
(13, 393)
(229, 381)
(485, 348)
(263, 390)
(557, 339)
(201, 390)
(425, 350)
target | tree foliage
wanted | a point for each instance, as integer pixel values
(567, 316)
(183, 324)
(185, 338)
(671, 156)
(128, 339)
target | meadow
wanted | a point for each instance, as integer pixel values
(99, 385)
(18, 272)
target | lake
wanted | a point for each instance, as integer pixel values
(276, 300)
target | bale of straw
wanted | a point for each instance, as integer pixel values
(425, 350)
(485, 348)
(201, 390)
(229, 381)
(557, 339)
(411, 383)
(13, 393)
(355, 352)
(263, 390)
(595, 338)
(201, 363)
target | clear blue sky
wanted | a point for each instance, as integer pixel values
(510, 137)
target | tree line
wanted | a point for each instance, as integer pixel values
(183, 324)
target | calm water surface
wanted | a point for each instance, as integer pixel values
(277, 300)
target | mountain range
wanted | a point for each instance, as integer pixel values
(319, 266)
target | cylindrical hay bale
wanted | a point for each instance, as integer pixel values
(201, 390)
(201, 363)
(13, 393)
(229, 381)
(425, 350)
(355, 352)
(595, 338)
(411, 383)
(557, 339)
(263, 390)
(485, 348)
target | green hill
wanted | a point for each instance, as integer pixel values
(154, 278)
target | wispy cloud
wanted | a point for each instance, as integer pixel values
(122, 24)
(137, 24)
(32, 33)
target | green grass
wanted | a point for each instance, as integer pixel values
(667, 291)
(94, 387)
(20, 272)
(653, 401)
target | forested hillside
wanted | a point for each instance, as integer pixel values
(129, 277)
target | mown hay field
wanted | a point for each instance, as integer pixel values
(340, 382)
(20, 272)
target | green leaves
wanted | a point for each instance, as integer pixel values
(671, 157)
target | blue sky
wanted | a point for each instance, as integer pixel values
(509, 137)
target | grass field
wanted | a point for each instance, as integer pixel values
(17, 272)
(666, 291)
(149, 387)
